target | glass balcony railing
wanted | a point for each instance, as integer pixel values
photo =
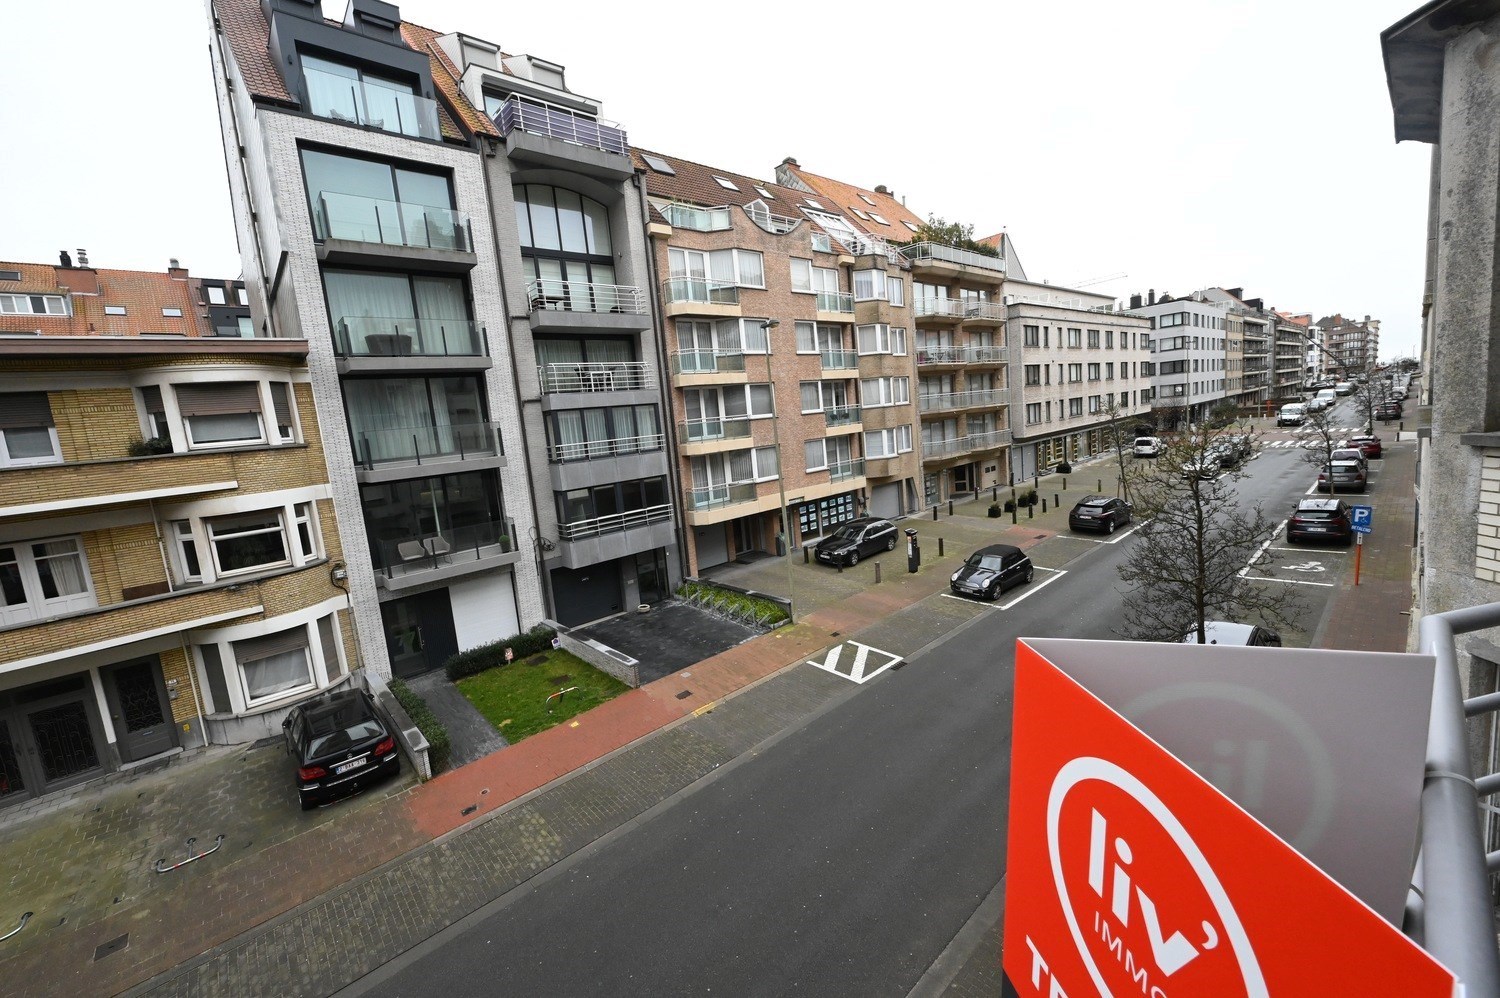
(700, 289)
(614, 522)
(951, 307)
(707, 362)
(941, 354)
(585, 450)
(846, 416)
(845, 470)
(700, 430)
(423, 444)
(387, 336)
(518, 113)
(421, 549)
(961, 400)
(581, 296)
(688, 216)
(390, 223)
(919, 253)
(835, 301)
(595, 376)
(341, 98)
(717, 496)
(839, 360)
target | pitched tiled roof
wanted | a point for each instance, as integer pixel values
(142, 293)
(695, 184)
(445, 76)
(846, 198)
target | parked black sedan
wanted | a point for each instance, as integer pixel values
(339, 745)
(1101, 513)
(859, 538)
(991, 570)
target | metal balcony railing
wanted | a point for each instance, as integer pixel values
(960, 355)
(937, 306)
(960, 400)
(700, 430)
(690, 216)
(839, 360)
(700, 289)
(581, 296)
(836, 301)
(595, 376)
(717, 496)
(559, 123)
(340, 98)
(707, 362)
(919, 253)
(584, 450)
(388, 336)
(985, 310)
(961, 445)
(843, 416)
(772, 222)
(864, 245)
(417, 548)
(614, 522)
(845, 470)
(390, 223)
(423, 444)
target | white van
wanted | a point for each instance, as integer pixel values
(1291, 414)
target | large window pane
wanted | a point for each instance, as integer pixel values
(596, 223)
(347, 175)
(544, 232)
(234, 427)
(570, 221)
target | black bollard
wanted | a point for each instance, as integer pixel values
(1030, 510)
(1099, 485)
(940, 547)
(1044, 506)
(1013, 514)
(950, 507)
(1065, 485)
(934, 514)
(994, 493)
(806, 555)
(877, 573)
(840, 567)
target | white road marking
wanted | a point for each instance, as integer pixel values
(1319, 550)
(1290, 582)
(1262, 549)
(1117, 538)
(857, 672)
(1033, 590)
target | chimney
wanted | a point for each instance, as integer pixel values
(83, 257)
(789, 161)
(1151, 296)
(64, 260)
(172, 264)
(883, 189)
(1135, 301)
(176, 271)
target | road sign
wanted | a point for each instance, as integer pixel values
(1362, 519)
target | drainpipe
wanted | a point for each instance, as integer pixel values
(192, 670)
(161, 547)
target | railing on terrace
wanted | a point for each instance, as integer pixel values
(559, 123)
(707, 362)
(390, 223)
(844, 416)
(595, 376)
(394, 336)
(717, 496)
(584, 450)
(581, 296)
(960, 355)
(863, 245)
(772, 222)
(835, 301)
(699, 430)
(340, 98)
(960, 400)
(421, 444)
(407, 549)
(700, 289)
(845, 470)
(983, 310)
(937, 306)
(689, 216)
(920, 252)
(839, 360)
(614, 522)
(961, 445)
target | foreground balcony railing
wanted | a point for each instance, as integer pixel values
(937, 306)
(717, 496)
(985, 310)
(700, 289)
(845, 470)
(863, 245)
(839, 360)
(960, 400)
(363, 103)
(771, 222)
(960, 355)
(835, 301)
(581, 296)
(422, 444)
(919, 253)
(690, 216)
(387, 336)
(590, 376)
(700, 430)
(417, 548)
(614, 523)
(584, 450)
(843, 416)
(961, 445)
(390, 223)
(560, 123)
(707, 362)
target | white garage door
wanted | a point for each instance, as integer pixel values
(885, 500)
(712, 543)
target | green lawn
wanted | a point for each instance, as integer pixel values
(514, 697)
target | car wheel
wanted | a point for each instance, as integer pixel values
(1030, 571)
(853, 558)
(890, 543)
(993, 593)
(1109, 527)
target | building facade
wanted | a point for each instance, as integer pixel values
(1352, 345)
(1189, 355)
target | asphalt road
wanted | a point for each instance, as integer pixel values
(840, 859)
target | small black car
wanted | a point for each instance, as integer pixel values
(859, 538)
(339, 746)
(1102, 513)
(991, 570)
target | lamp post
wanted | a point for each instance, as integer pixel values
(786, 520)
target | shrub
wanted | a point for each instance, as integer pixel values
(476, 660)
(1064, 469)
(1010, 505)
(148, 448)
(994, 510)
(1028, 498)
(439, 745)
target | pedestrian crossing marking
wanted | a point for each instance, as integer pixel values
(856, 668)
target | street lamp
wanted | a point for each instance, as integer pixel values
(786, 520)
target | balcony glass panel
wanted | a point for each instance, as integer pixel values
(707, 362)
(839, 359)
(391, 223)
(394, 336)
(582, 296)
(846, 416)
(340, 97)
(687, 216)
(845, 470)
(698, 430)
(419, 443)
(835, 301)
(700, 289)
(423, 523)
(716, 496)
(920, 252)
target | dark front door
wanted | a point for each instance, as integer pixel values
(419, 632)
(138, 709)
(585, 594)
(651, 575)
(12, 780)
(49, 738)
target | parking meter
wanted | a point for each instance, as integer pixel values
(913, 552)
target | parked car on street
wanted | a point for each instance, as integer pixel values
(1388, 410)
(991, 570)
(1345, 475)
(1205, 466)
(1320, 520)
(1226, 632)
(339, 745)
(1342, 453)
(1368, 443)
(1102, 513)
(1344, 388)
(1148, 447)
(1291, 414)
(856, 539)
(1243, 443)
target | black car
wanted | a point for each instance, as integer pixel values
(991, 570)
(1227, 632)
(1320, 520)
(339, 745)
(1102, 513)
(859, 538)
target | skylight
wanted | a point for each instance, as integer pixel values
(859, 213)
(879, 219)
(659, 165)
(764, 193)
(728, 185)
(814, 204)
(909, 225)
(867, 200)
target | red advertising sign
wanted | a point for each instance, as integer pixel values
(1127, 873)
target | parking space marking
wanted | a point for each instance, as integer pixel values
(1057, 573)
(856, 670)
(1341, 554)
(1113, 540)
(1290, 582)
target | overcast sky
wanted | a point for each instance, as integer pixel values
(1182, 145)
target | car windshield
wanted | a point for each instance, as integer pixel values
(339, 728)
(845, 533)
(988, 562)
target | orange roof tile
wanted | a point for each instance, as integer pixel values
(847, 198)
(694, 183)
(445, 76)
(144, 294)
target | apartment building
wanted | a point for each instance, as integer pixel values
(960, 339)
(170, 562)
(1249, 347)
(1353, 345)
(787, 333)
(1083, 367)
(1189, 354)
(1289, 357)
(362, 201)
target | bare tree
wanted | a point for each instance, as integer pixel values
(1319, 438)
(1119, 434)
(1367, 395)
(1196, 540)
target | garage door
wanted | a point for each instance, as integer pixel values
(585, 594)
(712, 544)
(885, 500)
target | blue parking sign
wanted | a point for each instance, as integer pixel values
(1362, 519)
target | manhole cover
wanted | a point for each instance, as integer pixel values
(113, 946)
(684, 694)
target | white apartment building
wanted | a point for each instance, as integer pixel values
(1189, 350)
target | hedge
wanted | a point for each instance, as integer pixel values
(476, 660)
(439, 745)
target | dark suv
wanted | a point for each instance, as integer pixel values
(859, 538)
(1320, 520)
(1101, 513)
(339, 745)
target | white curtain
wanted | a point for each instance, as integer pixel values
(440, 303)
(569, 438)
(596, 428)
(385, 414)
(370, 305)
(60, 561)
(812, 396)
(268, 676)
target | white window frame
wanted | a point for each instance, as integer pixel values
(6, 461)
(260, 421)
(736, 267)
(801, 276)
(874, 285)
(244, 296)
(895, 291)
(879, 218)
(881, 393)
(185, 544)
(823, 444)
(171, 313)
(746, 329)
(726, 183)
(308, 656)
(38, 606)
(114, 310)
(759, 458)
(213, 550)
(216, 295)
(888, 340)
(10, 304)
(888, 443)
(304, 514)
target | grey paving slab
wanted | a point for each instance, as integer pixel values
(673, 636)
(470, 732)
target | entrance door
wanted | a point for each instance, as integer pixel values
(651, 576)
(585, 594)
(419, 632)
(12, 781)
(48, 737)
(138, 707)
(64, 740)
(747, 535)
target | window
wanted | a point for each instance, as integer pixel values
(613, 507)
(860, 214)
(220, 414)
(755, 464)
(878, 392)
(659, 165)
(566, 247)
(114, 310)
(1075, 337)
(888, 443)
(879, 219)
(171, 313)
(215, 294)
(385, 314)
(880, 338)
(867, 200)
(725, 183)
(745, 268)
(1093, 339)
(244, 297)
(824, 396)
(910, 226)
(10, 275)
(764, 193)
(306, 528)
(1093, 404)
(27, 435)
(1033, 413)
(274, 664)
(583, 434)
(185, 547)
(1172, 319)
(809, 279)
(820, 243)
(1032, 336)
(1109, 339)
(820, 338)
(34, 305)
(1075, 372)
(869, 285)
(1093, 372)
(43, 579)
(829, 452)
(813, 204)
(1109, 370)
(1075, 406)
(895, 291)
(366, 200)
(247, 542)
(1033, 373)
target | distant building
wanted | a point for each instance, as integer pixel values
(1351, 346)
(1189, 353)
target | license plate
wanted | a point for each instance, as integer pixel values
(351, 764)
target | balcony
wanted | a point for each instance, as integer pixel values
(984, 312)
(52, 488)
(706, 497)
(594, 450)
(834, 305)
(401, 563)
(935, 450)
(395, 343)
(340, 98)
(690, 216)
(354, 229)
(711, 436)
(395, 452)
(943, 308)
(864, 245)
(549, 136)
(839, 360)
(775, 224)
(560, 306)
(846, 470)
(618, 535)
(570, 378)
(707, 367)
(950, 259)
(949, 401)
(700, 296)
(844, 416)
(943, 355)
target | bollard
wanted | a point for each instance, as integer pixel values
(806, 555)
(934, 514)
(994, 493)
(1056, 501)
(877, 573)
(940, 547)
(1030, 510)
(1044, 506)
(1065, 485)
(950, 507)
(1099, 485)
(1035, 480)
(1013, 515)
(840, 567)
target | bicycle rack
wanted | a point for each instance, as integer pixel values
(24, 919)
(190, 857)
